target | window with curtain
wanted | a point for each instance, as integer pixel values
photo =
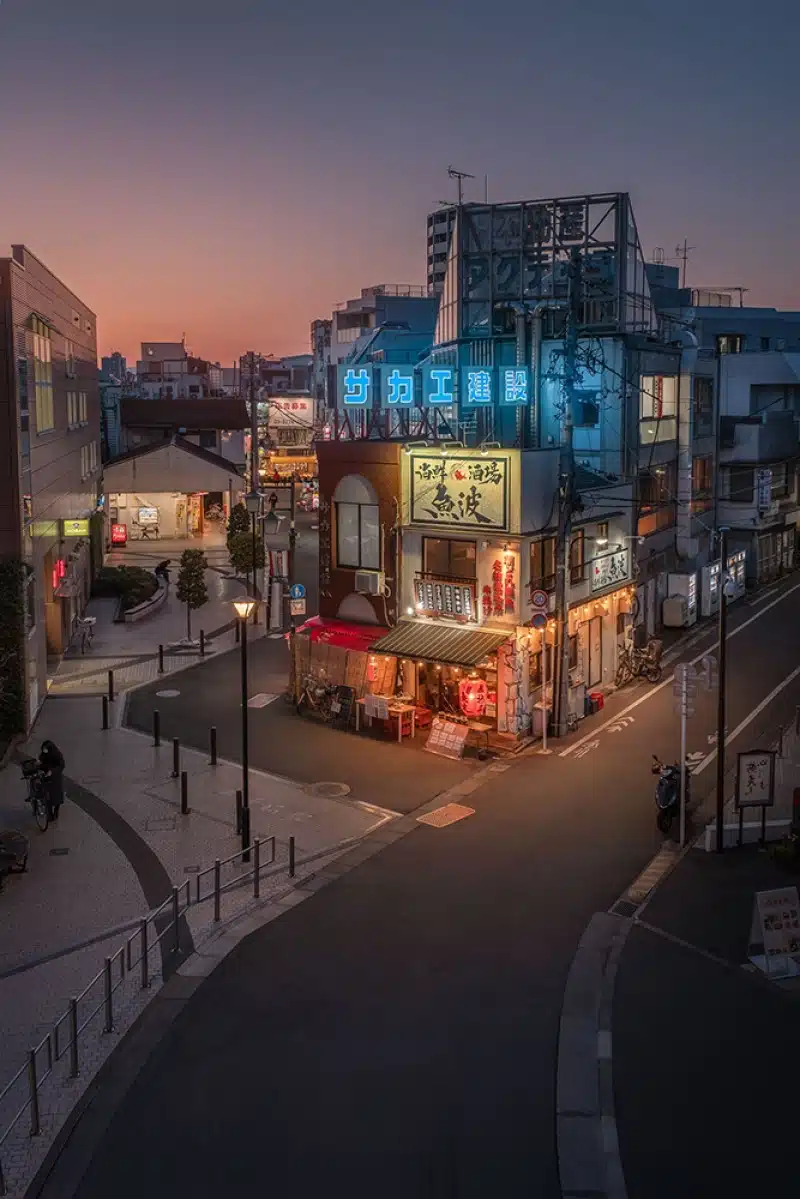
(357, 536)
(442, 556)
(43, 376)
(543, 564)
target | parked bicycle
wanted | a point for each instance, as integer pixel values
(637, 663)
(84, 632)
(316, 696)
(34, 774)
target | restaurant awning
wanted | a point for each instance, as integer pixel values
(340, 632)
(440, 643)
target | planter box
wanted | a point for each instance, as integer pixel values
(141, 611)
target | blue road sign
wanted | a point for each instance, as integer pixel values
(539, 620)
(297, 591)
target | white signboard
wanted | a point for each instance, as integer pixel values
(755, 779)
(460, 492)
(779, 914)
(764, 489)
(291, 412)
(610, 570)
(297, 607)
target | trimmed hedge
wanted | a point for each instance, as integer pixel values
(132, 584)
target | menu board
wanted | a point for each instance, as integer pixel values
(447, 738)
(445, 599)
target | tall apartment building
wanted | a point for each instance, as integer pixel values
(50, 431)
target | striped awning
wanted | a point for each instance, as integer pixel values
(434, 642)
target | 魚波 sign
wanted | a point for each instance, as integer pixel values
(459, 491)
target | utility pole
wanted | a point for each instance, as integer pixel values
(682, 254)
(721, 697)
(251, 363)
(566, 490)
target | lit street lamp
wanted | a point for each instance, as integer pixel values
(243, 608)
(253, 504)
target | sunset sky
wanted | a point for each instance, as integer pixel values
(233, 169)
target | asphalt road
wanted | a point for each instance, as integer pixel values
(396, 1033)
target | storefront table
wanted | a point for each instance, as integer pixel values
(393, 711)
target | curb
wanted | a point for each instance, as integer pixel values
(587, 1148)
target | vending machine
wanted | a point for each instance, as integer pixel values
(709, 589)
(681, 587)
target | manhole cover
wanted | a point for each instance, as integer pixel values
(327, 790)
(449, 814)
(167, 694)
(58, 853)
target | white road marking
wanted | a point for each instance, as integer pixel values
(585, 749)
(666, 682)
(622, 724)
(751, 716)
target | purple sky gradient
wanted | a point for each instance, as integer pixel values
(232, 170)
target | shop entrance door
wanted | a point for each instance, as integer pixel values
(595, 651)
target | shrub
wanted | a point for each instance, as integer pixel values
(132, 584)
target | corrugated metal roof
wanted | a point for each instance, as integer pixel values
(440, 643)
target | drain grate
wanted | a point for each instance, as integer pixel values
(58, 853)
(449, 814)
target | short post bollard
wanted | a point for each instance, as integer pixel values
(238, 813)
(145, 968)
(291, 857)
(176, 915)
(212, 736)
(176, 757)
(256, 868)
(107, 1001)
(156, 727)
(73, 1038)
(202, 643)
(184, 793)
(34, 1093)
(216, 890)
(105, 711)
(161, 659)
(111, 686)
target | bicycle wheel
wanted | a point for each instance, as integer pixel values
(40, 813)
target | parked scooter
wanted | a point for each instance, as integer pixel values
(668, 792)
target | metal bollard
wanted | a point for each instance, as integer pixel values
(202, 643)
(109, 1025)
(111, 686)
(176, 757)
(145, 970)
(291, 857)
(256, 868)
(246, 834)
(176, 915)
(73, 1038)
(105, 711)
(216, 889)
(184, 793)
(161, 659)
(156, 727)
(212, 735)
(238, 813)
(36, 1127)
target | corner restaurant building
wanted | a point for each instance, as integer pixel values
(428, 556)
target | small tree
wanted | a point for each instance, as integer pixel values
(240, 548)
(238, 522)
(192, 589)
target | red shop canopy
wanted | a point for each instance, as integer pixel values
(341, 632)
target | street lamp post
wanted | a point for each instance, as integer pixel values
(253, 504)
(243, 609)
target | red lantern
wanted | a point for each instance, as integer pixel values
(472, 696)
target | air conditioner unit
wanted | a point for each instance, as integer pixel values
(370, 582)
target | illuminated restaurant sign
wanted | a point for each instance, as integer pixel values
(610, 570)
(459, 491)
(440, 598)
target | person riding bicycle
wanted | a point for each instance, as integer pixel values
(52, 763)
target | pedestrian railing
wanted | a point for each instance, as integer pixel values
(99, 1004)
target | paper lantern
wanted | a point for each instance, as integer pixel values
(472, 696)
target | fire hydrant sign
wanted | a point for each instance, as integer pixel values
(779, 916)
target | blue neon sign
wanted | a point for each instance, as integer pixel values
(515, 385)
(477, 385)
(355, 386)
(438, 386)
(397, 386)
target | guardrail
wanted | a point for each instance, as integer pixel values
(157, 928)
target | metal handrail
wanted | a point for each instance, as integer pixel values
(180, 901)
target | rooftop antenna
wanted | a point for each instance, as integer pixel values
(682, 254)
(459, 176)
